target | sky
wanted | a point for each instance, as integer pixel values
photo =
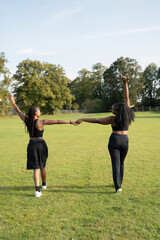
(77, 34)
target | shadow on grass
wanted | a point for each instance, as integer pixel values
(60, 189)
(13, 190)
(83, 189)
(147, 117)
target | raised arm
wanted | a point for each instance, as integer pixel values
(126, 90)
(103, 121)
(21, 115)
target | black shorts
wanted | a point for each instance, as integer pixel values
(37, 154)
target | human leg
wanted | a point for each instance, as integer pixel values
(36, 181)
(123, 153)
(115, 158)
(43, 176)
(121, 171)
(114, 150)
(42, 150)
(36, 177)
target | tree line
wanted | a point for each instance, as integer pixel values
(46, 85)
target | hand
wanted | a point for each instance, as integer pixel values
(74, 123)
(124, 79)
(11, 98)
(79, 121)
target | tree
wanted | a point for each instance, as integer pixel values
(43, 85)
(81, 86)
(88, 84)
(150, 92)
(5, 106)
(97, 75)
(113, 86)
(92, 106)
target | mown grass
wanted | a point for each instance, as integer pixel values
(80, 203)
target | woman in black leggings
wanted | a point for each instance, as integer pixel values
(118, 142)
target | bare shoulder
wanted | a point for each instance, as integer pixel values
(39, 124)
(112, 117)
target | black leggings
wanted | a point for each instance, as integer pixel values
(118, 148)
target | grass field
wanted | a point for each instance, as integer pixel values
(80, 203)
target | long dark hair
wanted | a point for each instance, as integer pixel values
(29, 119)
(124, 115)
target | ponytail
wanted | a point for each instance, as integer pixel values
(124, 115)
(29, 120)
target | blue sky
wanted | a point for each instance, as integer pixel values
(79, 33)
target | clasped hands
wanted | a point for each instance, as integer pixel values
(77, 122)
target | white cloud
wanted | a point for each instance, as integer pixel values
(63, 14)
(149, 29)
(48, 53)
(127, 31)
(68, 12)
(33, 51)
(29, 51)
(145, 60)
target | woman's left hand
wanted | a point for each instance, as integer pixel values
(124, 79)
(11, 98)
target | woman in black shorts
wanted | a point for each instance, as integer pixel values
(118, 142)
(37, 151)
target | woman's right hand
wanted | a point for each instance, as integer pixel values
(79, 121)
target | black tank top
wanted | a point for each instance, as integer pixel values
(36, 132)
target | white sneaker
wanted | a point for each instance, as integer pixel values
(119, 190)
(44, 187)
(38, 194)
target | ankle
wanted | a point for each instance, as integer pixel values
(38, 189)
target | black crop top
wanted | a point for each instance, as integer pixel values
(37, 133)
(118, 128)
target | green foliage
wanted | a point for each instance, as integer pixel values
(5, 81)
(97, 74)
(43, 85)
(113, 85)
(75, 106)
(151, 89)
(92, 106)
(88, 85)
(81, 86)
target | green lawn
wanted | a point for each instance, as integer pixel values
(80, 203)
